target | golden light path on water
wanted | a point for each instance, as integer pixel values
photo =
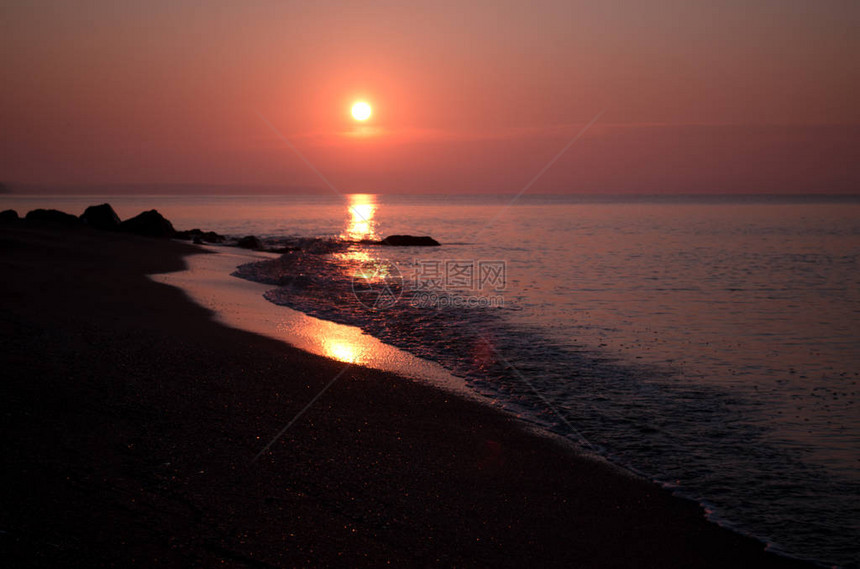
(356, 261)
(361, 223)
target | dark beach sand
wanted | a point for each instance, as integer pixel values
(130, 420)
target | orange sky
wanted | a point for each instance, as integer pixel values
(731, 96)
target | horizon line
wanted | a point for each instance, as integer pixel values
(236, 190)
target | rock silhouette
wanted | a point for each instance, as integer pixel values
(198, 235)
(101, 217)
(409, 241)
(250, 242)
(52, 216)
(149, 223)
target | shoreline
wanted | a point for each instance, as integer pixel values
(239, 303)
(134, 416)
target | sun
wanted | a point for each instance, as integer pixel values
(361, 111)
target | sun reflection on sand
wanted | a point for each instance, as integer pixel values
(341, 350)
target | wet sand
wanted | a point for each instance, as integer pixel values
(130, 421)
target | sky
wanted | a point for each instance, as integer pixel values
(721, 96)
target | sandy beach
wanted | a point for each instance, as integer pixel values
(131, 419)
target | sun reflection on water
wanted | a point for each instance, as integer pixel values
(361, 223)
(353, 255)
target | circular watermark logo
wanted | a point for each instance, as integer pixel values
(377, 284)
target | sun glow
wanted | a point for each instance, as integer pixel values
(342, 351)
(361, 111)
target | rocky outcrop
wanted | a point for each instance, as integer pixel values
(101, 217)
(250, 242)
(409, 241)
(149, 223)
(52, 216)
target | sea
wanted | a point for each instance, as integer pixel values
(708, 343)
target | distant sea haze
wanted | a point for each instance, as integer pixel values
(711, 343)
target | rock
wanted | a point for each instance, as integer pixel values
(101, 217)
(8, 215)
(250, 242)
(200, 235)
(52, 216)
(409, 241)
(207, 236)
(212, 237)
(149, 223)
